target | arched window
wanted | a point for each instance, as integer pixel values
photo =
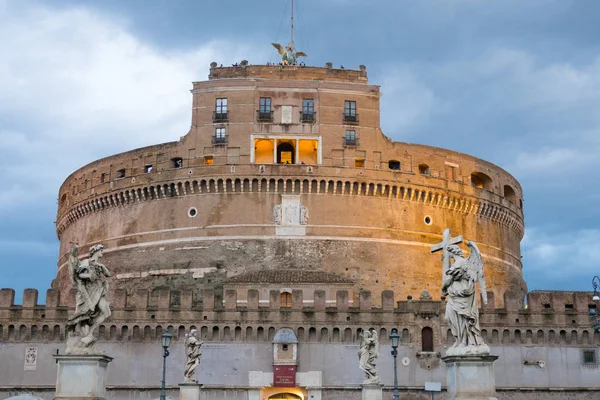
(286, 299)
(481, 181)
(394, 164)
(424, 169)
(510, 194)
(427, 339)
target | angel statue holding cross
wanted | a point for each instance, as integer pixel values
(459, 284)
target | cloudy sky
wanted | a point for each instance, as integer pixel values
(514, 82)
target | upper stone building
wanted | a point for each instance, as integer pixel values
(286, 167)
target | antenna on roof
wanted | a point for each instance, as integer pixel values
(292, 41)
(289, 55)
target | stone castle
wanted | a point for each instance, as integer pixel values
(286, 207)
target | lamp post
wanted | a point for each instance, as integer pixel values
(593, 311)
(394, 339)
(166, 342)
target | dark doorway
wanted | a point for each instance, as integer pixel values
(427, 339)
(286, 154)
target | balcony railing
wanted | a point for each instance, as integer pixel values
(220, 116)
(264, 116)
(220, 140)
(308, 118)
(350, 119)
(351, 142)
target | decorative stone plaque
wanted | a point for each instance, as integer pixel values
(284, 376)
(30, 358)
(286, 114)
(290, 216)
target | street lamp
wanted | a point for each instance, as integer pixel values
(166, 342)
(394, 339)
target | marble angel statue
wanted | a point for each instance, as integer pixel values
(462, 314)
(368, 355)
(92, 308)
(193, 350)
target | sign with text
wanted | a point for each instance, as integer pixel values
(284, 376)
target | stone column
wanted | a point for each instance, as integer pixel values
(81, 377)
(297, 150)
(189, 391)
(274, 151)
(470, 377)
(372, 391)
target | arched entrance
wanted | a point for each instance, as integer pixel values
(286, 153)
(285, 396)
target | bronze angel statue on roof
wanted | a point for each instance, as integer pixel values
(462, 314)
(289, 55)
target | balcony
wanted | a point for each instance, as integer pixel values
(308, 118)
(350, 119)
(350, 142)
(264, 116)
(220, 140)
(220, 116)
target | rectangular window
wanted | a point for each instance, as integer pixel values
(220, 113)
(102, 178)
(265, 105)
(264, 113)
(148, 169)
(350, 139)
(350, 108)
(308, 106)
(359, 162)
(121, 173)
(221, 106)
(209, 160)
(220, 135)
(308, 110)
(589, 356)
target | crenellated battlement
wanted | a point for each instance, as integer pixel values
(549, 317)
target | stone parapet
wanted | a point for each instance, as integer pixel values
(135, 320)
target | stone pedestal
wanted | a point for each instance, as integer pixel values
(470, 377)
(372, 392)
(81, 377)
(189, 391)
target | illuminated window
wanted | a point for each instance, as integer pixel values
(209, 160)
(359, 162)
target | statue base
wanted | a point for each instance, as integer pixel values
(81, 377)
(372, 391)
(189, 391)
(470, 377)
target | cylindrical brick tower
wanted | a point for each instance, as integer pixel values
(287, 167)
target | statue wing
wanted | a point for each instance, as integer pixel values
(475, 267)
(279, 48)
(301, 54)
(73, 263)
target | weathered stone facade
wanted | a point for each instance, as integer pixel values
(553, 329)
(203, 207)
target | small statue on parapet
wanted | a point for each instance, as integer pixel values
(92, 308)
(368, 356)
(193, 350)
(459, 279)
